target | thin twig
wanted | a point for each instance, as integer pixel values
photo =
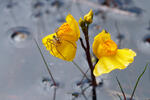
(82, 44)
(138, 82)
(82, 92)
(45, 63)
(80, 70)
(121, 89)
(119, 96)
(83, 77)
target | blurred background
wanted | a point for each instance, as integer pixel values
(23, 75)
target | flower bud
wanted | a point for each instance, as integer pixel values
(89, 17)
(81, 22)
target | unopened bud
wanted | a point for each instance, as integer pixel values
(89, 17)
(81, 22)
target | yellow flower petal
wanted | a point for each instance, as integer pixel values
(62, 49)
(65, 32)
(65, 51)
(103, 36)
(62, 44)
(121, 60)
(48, 37)
(103, 45)
(125, 56)
(74, 26)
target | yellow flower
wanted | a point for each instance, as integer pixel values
(62, 44)
(89, 17)
(110, 57)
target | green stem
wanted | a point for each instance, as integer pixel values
(45, 63)
(138, 82)
(121, 88)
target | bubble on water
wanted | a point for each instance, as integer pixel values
(147, 39)
(144, 44)
(19, 36)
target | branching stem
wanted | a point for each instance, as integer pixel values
(88, 56)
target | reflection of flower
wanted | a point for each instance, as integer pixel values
(110, 57)
(62, 44)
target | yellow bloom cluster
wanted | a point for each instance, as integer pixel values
(62, 44)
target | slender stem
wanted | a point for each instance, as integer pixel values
(82, 44)
(82, 92)
(83, 77)
(121, 88)
(81, 70)
(119, 96)
(131, 98)
(88, 56)
(54, 95)
(45, 63)
(94, 93)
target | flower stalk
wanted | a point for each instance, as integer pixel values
(88, 57)
(84, 23)
(49, 71)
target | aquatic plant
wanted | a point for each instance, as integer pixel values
(62, 44)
